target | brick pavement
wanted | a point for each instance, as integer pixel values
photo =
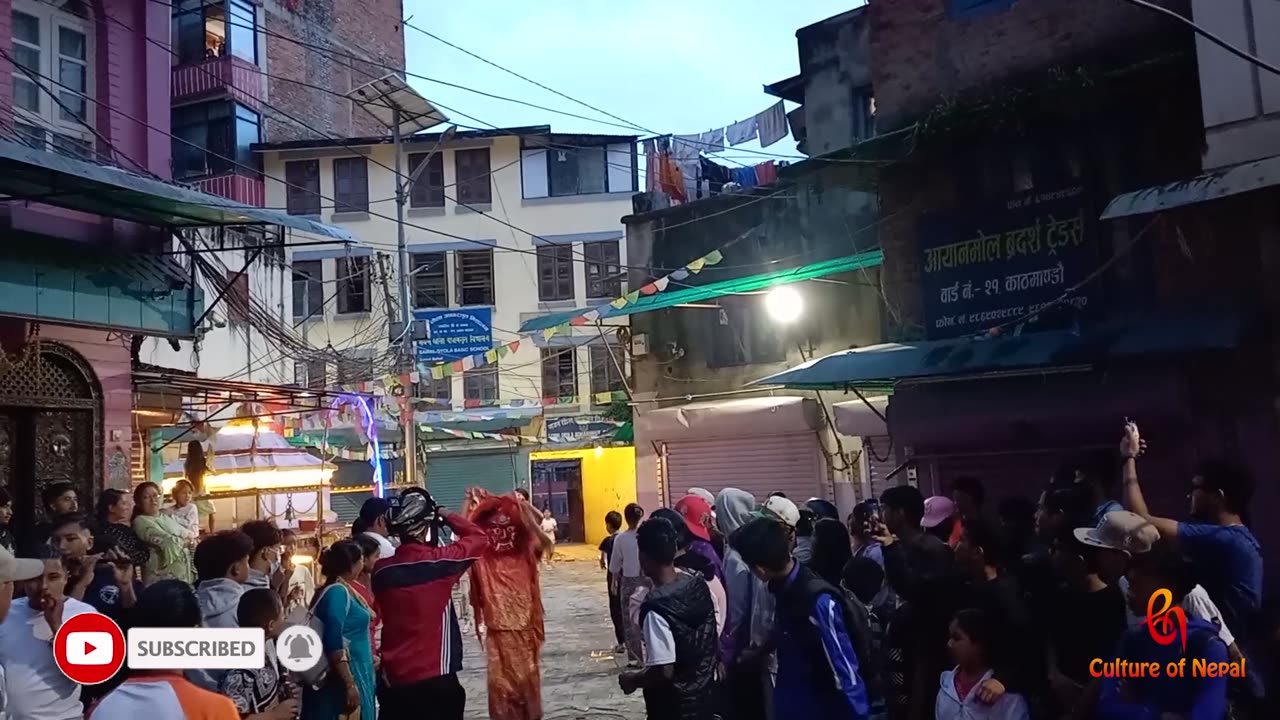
(579, 674)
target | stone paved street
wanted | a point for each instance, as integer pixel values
(579, 674)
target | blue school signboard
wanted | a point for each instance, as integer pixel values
(453, 334)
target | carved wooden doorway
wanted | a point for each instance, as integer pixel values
(50, 428)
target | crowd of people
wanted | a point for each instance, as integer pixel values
(381, 601)
(916, 608)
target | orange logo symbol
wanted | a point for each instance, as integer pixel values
(1167, 623)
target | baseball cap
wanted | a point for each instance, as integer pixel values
(781, 509)
(936, 510)
(13, 569)
(704, 494)
(1121, 530)
(693, 509)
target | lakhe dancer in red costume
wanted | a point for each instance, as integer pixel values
(507, 598)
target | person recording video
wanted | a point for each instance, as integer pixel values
(414, 591)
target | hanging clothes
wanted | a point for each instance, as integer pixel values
(712, 141)
(650, 165)
(773, 124)
(743, 131)
(766, 173)
(715, 174)
(670, 178)
(746, 177)
(686, 147)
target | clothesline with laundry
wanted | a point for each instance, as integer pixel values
(675, 166)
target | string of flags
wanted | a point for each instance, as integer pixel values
(603, 310)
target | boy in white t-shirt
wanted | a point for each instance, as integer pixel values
(549, 527)
(36, 688)
(12, 570)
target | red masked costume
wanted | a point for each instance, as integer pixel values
(508, 600)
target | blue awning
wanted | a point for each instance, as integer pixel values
(53, 179)
(1143, 334)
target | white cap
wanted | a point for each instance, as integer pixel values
(781, 509)
(13, 569)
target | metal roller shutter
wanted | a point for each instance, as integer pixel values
(450, 474)
(760, 465)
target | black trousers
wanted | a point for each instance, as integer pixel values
(743, 694)
(615, 614)
(442, 696)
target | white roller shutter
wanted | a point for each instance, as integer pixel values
(760, 465)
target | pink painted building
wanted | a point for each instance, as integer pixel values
(87, 261)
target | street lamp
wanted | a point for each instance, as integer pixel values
(784, 304)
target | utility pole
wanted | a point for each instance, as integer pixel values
(408, 425)
(395, 104)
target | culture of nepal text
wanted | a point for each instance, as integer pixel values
(1197, 668)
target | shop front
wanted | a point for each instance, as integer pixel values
(498, 467)
(1010, 410)
(581, 486)
(761, 445)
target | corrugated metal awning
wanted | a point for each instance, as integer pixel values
(1210, 186)
(27, 173)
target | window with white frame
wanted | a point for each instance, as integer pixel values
(52, 47)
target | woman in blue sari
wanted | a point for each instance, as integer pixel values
(349, 686)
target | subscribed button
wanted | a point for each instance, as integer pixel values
(197, 648)
(89, 648)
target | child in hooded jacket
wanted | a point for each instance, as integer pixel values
(969, 643)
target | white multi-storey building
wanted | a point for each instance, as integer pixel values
(501, 226)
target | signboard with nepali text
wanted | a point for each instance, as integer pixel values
(983, 267)
(453, 334)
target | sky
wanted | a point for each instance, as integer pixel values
(670, 66)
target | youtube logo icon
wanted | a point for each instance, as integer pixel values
(89, 648)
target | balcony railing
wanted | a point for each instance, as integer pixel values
(233, 186)
(230, 75)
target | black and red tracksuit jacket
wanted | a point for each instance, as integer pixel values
(414, 589)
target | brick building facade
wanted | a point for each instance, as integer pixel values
(336, 44)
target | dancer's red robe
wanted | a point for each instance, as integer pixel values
(507, 598)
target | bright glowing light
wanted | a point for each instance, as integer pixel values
(371, 429)
(301, 559)
(599, 451)
(784, 304)
(238, 428)
(259, 480)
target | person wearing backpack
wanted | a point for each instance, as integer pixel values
(817, 629)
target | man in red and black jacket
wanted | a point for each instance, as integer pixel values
(421, 641)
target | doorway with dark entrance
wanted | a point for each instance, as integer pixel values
(557, 484)
(50, 428)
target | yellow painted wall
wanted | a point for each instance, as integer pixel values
(608, 483)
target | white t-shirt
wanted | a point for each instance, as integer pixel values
(385, 548)
(720, 601)
(549, 526)
(626, 555)
(1197, 604)
(35, 688)
(659, 643)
